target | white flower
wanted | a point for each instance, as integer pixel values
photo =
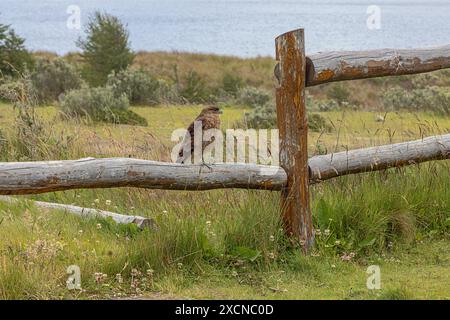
(108, 202)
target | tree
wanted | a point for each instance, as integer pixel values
(105, 49)
(13, 55)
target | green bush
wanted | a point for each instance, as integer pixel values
(53, 78)
(105, 49)
(321, 105)
(139, 86)
(194, 89)
(253, 97)
(318, 123)
(99, 105)
(232, 83)
(14, 58)
(339, 93)
(11, 90)
(265, 117)
(262, 117)
(434, 99)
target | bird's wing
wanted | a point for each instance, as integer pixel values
(208, 122)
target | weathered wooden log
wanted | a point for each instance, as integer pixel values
(141, 222)
(378, 158)
(351, 65)
(47, 176)
(293, 131)
(18, 178)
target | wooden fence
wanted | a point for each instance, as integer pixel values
(294, 72)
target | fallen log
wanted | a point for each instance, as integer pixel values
(351, 65)
(18, 178)
(141, 222)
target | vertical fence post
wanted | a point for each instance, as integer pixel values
(293, 128)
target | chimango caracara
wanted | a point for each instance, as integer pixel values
(209, 119)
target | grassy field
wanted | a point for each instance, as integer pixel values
(228, 243)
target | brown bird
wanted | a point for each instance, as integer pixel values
(209, 118)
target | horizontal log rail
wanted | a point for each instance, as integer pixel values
(351, 65)
(378, 158)
(18, 178)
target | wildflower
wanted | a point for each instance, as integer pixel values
(337, 242)
(347, 257)
(333, 266)
(80, 231)
(234, 273)
(99, 226)
(97, 200)
(326, 232)
(164, 211)
(272, 238)
(271, 255)
(135, 272)
(318, 232)
(108, 202)
(100, 277)
(180, 265)
(119, 278)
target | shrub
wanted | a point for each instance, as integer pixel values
(262, 117)
(194, 88)
(30, 139)
(265, 117)
(53, 78)
(139, 86)
(253, 97)
(339, 93)
(11, 90)
(231, 83)
(99, 105)
(106, 48)
(434, 99)
(318, 123)
(14, 58)
(322, 105)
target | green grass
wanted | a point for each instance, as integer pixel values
(229, 243)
